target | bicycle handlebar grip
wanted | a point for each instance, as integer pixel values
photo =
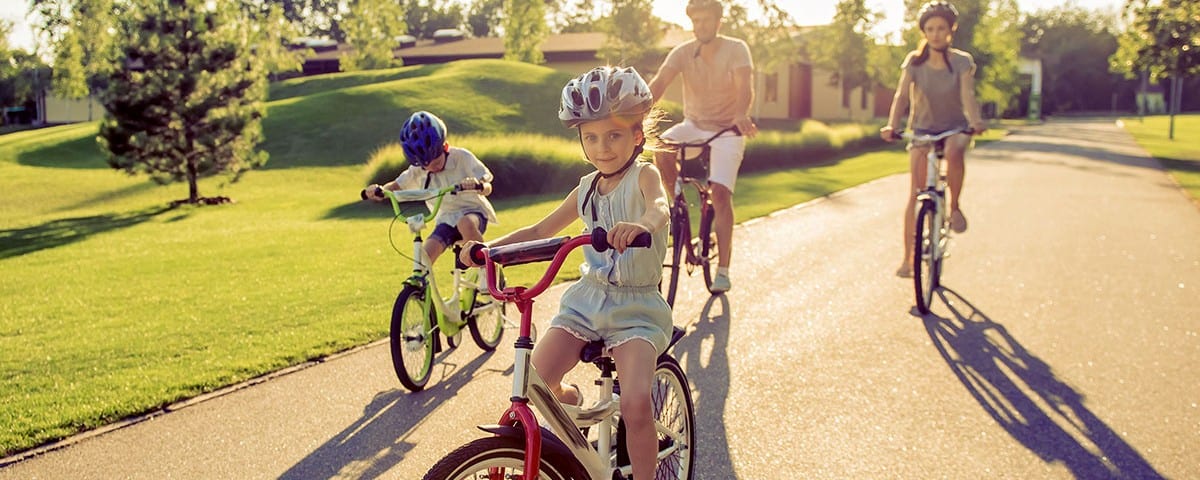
(378, 191)
(476, 253)
(600, 240)
(363, 194)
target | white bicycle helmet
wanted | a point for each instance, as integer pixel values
(604, 92)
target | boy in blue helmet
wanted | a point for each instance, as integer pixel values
(433, 163)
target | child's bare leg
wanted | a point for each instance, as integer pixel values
(635, 364)
(468, 227)
(555, 355)
(433, 249)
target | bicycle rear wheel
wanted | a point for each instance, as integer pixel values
(708, 246)
(680, 236)
(502, 457)
(486, 320)
(412, 338)
(926, 256)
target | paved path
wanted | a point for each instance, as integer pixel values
(1064, 346)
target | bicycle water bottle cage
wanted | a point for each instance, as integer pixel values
(694, 165)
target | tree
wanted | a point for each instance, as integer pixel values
(79, 33)
(844, 46)
(273, 36)
(998, 45)
(187, 100)
(1163, 40)
(371, 29)
(22, 77)
(423, 17)
(524, 30)
(1074, 45)
(769, 33)
(582, 16)
(484, 17)
(632, 34)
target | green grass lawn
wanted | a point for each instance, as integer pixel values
(115, 305)
(1180, 156)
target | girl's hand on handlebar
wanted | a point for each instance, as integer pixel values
(623, 234)
(978, 128)
(746, 126)
(464, 256)
(887, 133)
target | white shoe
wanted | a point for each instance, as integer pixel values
(720, 284)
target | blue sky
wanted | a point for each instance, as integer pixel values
(806, 12)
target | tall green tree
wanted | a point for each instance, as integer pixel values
(844, 46)
(1074, 45)
(632, 35)
(997, 55)
(80, 38)
(273, 36)
(371, 29)
(767, 29)
(1163, 40)
(524, 30)
(580, 16)
(23, 75)
(423, 17)
(186, 102)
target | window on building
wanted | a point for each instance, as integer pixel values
(771, 88)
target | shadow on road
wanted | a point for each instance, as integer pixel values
(703, 354)
(377, 441)
(1022, 393)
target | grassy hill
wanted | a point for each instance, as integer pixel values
(115, 305)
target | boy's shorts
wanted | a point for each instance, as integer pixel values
(725, 156)
(593, 310)
(449, 234)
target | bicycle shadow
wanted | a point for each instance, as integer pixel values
(704, 357)
(1022, 393)
(378, 440)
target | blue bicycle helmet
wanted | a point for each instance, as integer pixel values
(423, 138)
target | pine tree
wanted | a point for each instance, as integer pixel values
(186, 101)
(524, 30)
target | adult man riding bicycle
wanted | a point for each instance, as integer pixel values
(718, 90)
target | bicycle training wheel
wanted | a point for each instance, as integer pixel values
(674, 419)
(486, 320)
(708, 247)
(680, 233)
(412, 338)
(502, 457)
(926, 258)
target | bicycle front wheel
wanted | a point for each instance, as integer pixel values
(926, 256)
(708, 247)
(486, 321)
(502, 457)
(680, 235)
(412, 338)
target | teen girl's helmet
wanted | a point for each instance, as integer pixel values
(604, 92)
(937, 8)
(423, 138)
(701, 5)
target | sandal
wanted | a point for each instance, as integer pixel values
(958, 222)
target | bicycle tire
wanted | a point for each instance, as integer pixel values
(926, 259)
(487, 327)
(475, 459)
(680, 233)
(708, 247)
(412, 338)
(673, 409)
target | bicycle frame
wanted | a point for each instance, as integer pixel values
(935, 188)
(528, 387)
(448, 311)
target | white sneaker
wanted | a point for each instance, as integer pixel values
(720, 284)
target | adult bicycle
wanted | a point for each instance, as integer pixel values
(420, 313)
(576, 443)
(700, 251)
(932, 238)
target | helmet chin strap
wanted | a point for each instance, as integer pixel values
(637, 151)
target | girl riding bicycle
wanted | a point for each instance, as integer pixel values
(433, 163)
(939, 81)
(617, 299)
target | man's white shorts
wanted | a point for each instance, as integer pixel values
(727, 151)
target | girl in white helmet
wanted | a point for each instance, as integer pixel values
(617, 299)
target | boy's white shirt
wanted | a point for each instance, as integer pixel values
(460, 164)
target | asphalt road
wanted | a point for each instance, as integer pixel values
(1064, 345)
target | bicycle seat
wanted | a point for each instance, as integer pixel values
(592, 352)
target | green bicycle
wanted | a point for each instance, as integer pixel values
(421, 313)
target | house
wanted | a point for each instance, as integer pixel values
(795, 91)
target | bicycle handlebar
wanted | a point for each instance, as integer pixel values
(554, 249)
(732, 129)
(910, 136)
